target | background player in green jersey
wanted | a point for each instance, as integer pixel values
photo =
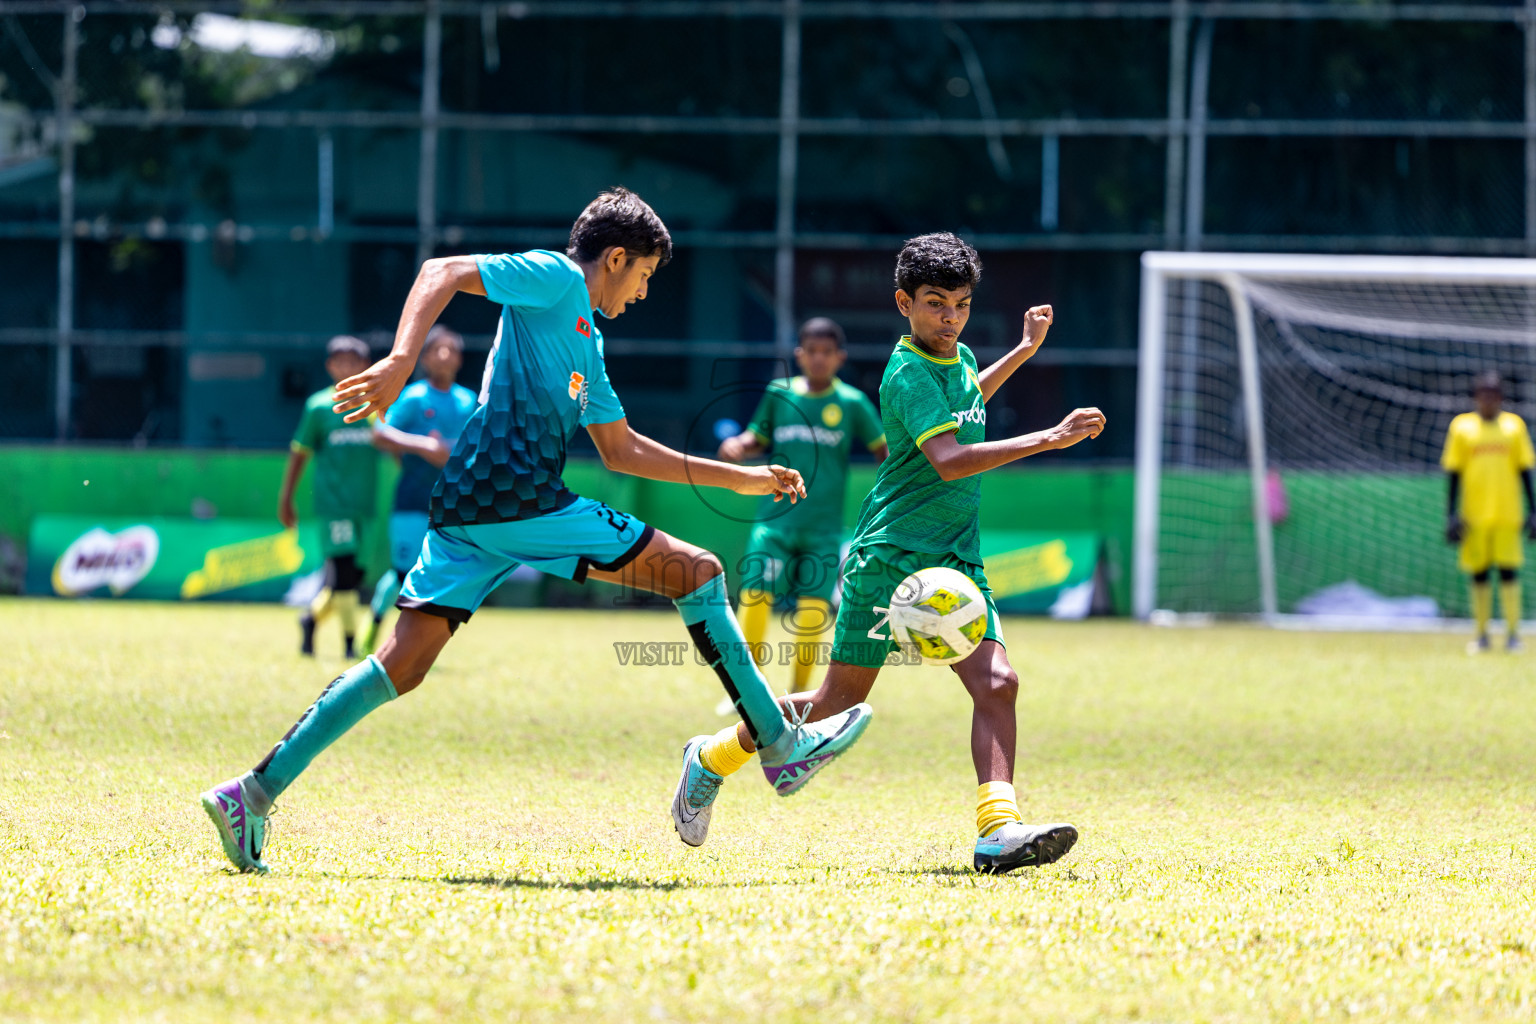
(346, 482)
(924, 510)
(809, 423)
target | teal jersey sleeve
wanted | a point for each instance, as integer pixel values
(867, 428)
(308, 433)
(918, 405)
(761, 423)
(602, 404)
(526, 280)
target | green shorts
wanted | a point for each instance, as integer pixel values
(869, 578)
(791, 563)
(340, 537)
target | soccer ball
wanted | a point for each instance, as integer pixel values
(939, 614)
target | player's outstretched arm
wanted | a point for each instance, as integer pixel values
(625, 451)
(1036, 322)
(297, 459)
(1453, 524)
(745, 445)
(953, 460)
(376, 388)
(397, 442)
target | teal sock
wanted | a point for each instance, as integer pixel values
(341, 705)
(384, 593)
(715, 632)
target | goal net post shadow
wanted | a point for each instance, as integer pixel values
(1291, 413)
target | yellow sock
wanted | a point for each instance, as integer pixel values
(320, 607)
(723, 754)
(753, 610)
(1482, 606)
(813, 625)
(1509, 597)
(346, 610)
(995, 805)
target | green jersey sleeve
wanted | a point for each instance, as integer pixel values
(307, 434)
(867, 428)
(762, 420)
(918, 405)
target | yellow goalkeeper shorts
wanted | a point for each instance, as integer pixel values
(1488, 547)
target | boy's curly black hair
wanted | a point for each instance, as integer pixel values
(619, 217)
(941, 260)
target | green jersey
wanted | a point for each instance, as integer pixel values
(346, 463)
(813, 432)
(910, 506)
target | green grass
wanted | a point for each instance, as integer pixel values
(1275, 827)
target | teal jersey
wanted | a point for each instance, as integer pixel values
(544, 379)
(346, 462)
(814, 433)
(423, 409)
(911, 507)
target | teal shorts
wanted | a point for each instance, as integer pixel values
(407, 531)
(862, 636)
(460, 565)
(791, 563)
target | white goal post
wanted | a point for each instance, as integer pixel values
(1290, 414)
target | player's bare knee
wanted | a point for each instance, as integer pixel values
(999, 686)
(706, 566)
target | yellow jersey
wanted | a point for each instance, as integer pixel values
(1489, 455)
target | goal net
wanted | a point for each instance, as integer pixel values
(1291, 416)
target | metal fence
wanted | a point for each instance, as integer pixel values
(1166, 123)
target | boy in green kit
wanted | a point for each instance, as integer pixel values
(810, 423)
(924, 510)
(346, 461)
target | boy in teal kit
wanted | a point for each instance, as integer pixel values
(924, 511)
(809, 423)
(501, 502)
(432, 407)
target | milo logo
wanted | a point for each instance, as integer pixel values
(98, 558)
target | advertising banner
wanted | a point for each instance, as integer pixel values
(1035, 572)
(168, 559)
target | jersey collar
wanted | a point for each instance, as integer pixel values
(802, 387)
(907, 342)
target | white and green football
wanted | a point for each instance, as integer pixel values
(939, 614)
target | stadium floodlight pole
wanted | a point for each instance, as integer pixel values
(1178, 72)
(1258, 468)
(1530, 127)
(64, 354)
(789, 164)
(1194, 220)
(1149, 439)
(426, 178)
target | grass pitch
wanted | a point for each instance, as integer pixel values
(1275, 827)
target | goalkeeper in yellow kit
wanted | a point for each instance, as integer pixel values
(1488, 457)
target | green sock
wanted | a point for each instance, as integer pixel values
(384, 594)
(341, 705)
(716, 633)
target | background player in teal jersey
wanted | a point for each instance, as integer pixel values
(346, 486)
(501, 502)
(924, 510)
(809, 423)
(432, 407)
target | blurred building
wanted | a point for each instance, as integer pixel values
(190, 203)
